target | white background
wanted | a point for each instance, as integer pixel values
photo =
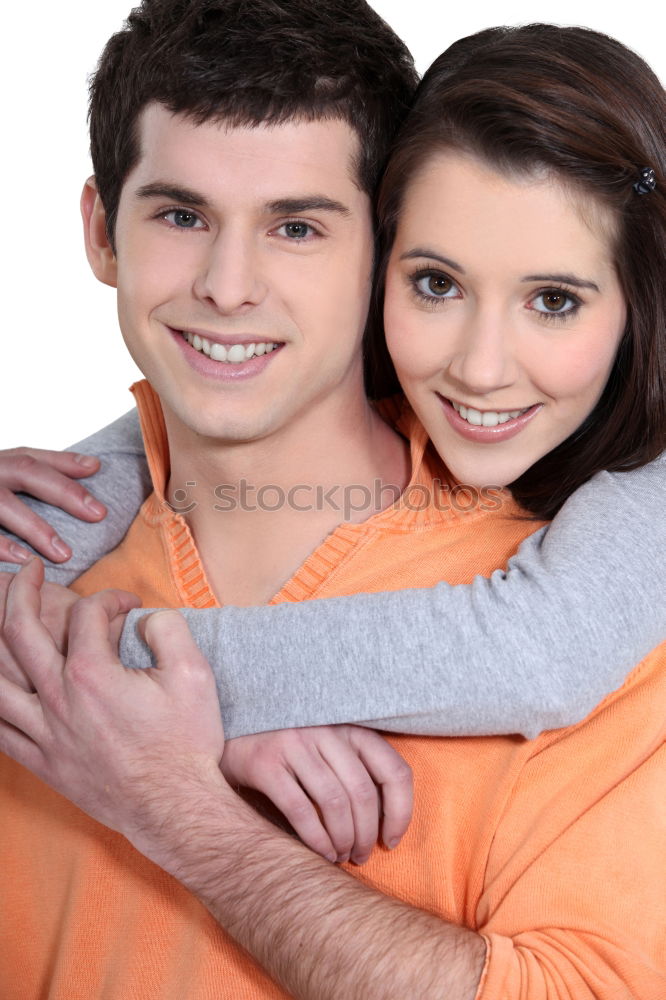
(65, 370)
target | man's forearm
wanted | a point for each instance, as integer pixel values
(316, 930)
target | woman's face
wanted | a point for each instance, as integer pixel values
(503, 313)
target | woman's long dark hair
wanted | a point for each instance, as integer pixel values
(583, 107)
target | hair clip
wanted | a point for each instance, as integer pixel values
(646, 182)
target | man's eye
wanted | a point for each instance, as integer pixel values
(295, 230)
(183, 219)
(554, 301)
(435, 285)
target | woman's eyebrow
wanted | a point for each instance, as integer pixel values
(425, 252)
(563, 279)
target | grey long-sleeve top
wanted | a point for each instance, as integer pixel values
(533, 647)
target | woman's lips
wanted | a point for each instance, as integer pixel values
(487, 435)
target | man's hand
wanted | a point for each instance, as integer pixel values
(50, 476)
(57, 603)
(114, 741)
(351, 774)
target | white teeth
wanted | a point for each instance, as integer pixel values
(489, 418)
(236, 354)
(218, 352)
(233, 355)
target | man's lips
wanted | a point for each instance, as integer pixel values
(227, 340)
(226, 362)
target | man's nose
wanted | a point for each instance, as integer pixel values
(485, 356)
(229, 275)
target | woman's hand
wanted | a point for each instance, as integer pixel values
(336, 785)
(49, 476)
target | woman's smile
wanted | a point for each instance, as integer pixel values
(503, 313)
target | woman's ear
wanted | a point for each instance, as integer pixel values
(99, 251)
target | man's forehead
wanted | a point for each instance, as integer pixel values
(320, 154)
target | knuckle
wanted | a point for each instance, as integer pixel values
(401, 774)
(262, 770)
(78, 671)
(24, 462)
(13, 629)
(334, 801)
(196, 672)
(297, 810)
(364, 793)
(72, 490)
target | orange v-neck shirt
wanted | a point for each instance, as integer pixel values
(554, 849)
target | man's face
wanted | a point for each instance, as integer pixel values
(232, 237)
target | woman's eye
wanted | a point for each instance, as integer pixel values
(436, 285)
(295, 230)
(183, 219)
(554, 301)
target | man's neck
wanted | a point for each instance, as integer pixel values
(258, 509)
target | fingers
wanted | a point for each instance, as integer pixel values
(17, 517)
(171, 642)
(18, 465)
(12, 552)
(319, 778)
(27, 639)
(48, 476)
(287, 795)
(90, 625)
(360, 790)
(20, 747)
(393, 776)
(21, 716)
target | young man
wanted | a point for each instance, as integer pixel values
(224, 237)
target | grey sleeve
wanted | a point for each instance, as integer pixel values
(122, 483)
(534, 647)
(531, 648)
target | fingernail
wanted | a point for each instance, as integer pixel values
(59, 546)
(94, 506)
(361, 860)
(331, 857)
(19, 554)
(342, 858)
(392, 844)
(86, 461)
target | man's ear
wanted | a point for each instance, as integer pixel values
(99, 251)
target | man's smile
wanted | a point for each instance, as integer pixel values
(232, 352)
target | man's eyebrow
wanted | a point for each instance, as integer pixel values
(281, 206)
(173, 192)
(563, 279)
(425, 252)
(308, 203)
